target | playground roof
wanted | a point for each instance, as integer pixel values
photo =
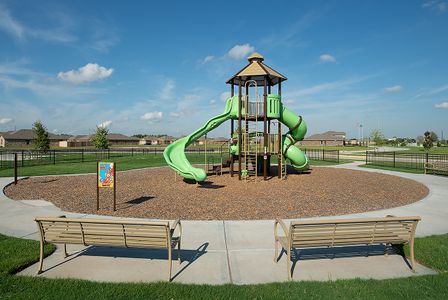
(258, 71)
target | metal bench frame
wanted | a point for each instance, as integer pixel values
(345, 232)
(110, 233)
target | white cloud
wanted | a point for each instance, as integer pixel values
(213, 101)
(394, 89)
(240, 51)
(208, 59)
(442, 105)
(5, 120)
(153, 116)
(8, 24)
(224, 96)
(327, 58)
(20, 31)
(167, 90)
(437, 5)
(105, 124)
(90, 72)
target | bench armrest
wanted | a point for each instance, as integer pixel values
(283, 225)
(175, 225)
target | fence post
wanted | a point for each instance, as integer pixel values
(54, 157)
(132, 151)
(22, 158)
(338, 156)
(15, 167)
(367, 153)
(394, 158)
(427, 157)
(323, 154)
(82, 155)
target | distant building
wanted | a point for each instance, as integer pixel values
(26, 137)
(329, 138)
(211, 141)
(353, 142)
(157, 140)
(115, 139)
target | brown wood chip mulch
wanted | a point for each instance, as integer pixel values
(156, 193)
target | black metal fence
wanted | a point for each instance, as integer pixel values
(38, 157)
(322, 154)
(403, 160)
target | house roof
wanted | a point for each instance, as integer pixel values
(28, 134)
(327, 136)
(258, 71)
(121, 137)
(110, 137)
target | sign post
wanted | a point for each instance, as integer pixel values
(106, 178)
(15, 168)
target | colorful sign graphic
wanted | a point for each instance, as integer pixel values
(106, 174)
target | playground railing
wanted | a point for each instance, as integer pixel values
(322, 154)
(392, 159)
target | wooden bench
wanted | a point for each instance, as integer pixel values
(345, 232)
(114, 233)
(436, 167)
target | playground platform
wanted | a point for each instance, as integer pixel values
(239, 252)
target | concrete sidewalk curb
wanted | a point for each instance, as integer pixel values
(239, 252)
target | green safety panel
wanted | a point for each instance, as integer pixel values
(274, 106)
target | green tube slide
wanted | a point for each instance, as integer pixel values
(297, 131)
(174, 154)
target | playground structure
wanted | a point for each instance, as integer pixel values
(250, 147)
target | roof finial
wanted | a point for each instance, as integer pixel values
(255, 57)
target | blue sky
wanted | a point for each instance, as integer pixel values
(160, 67)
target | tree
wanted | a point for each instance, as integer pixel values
(377, 136)
(434, 137)
(42, 141)
(428, 142)
(100, 140)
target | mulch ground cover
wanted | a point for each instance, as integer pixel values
(157, 193)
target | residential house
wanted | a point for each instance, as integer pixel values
(329, 138)
(26, 137)
(115, 139)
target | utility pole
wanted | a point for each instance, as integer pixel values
(362, 134)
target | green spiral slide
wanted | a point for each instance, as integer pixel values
(175, 157)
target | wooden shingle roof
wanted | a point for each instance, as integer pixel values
(257, 70)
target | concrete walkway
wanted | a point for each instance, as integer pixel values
(240, 252)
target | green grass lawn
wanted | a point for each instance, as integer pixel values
(19, 253)
(123, 163)
(341, 148)
(433, 150)
(328, 163)
(397, 169)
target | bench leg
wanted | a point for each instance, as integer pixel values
(288, 264)
(276, 251)
(170, 263)
(65, 251)
(41, 256)
(179, 259)
(411, 250)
